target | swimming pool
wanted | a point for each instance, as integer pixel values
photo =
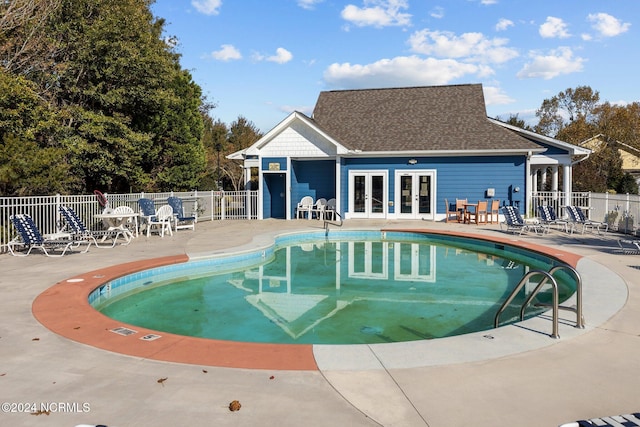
(354, 287)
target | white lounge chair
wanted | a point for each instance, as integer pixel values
(29, 238)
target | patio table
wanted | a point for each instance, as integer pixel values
(117, 223)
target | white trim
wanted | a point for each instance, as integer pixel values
(255, 148)
(351, 197)
(574, 150)
(443, 153)
(398, 193)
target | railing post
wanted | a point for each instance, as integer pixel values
(57, 213)
(223, 206)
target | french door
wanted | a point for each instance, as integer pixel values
(415, 195)
(368, 194)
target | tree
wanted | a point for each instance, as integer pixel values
(567, 107)
(574, 116)
(514, 120)
(214, 139)
(599, 172)
(242, 134)
(31, 163)
(112, 94)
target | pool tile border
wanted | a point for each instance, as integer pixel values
(65, 310)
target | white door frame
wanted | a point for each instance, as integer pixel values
(368, 208)
(415, 193)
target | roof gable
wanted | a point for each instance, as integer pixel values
(296, 136)
(432, 118)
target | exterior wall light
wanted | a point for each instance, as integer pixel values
(413, 161)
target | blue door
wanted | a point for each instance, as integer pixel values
(275, 200)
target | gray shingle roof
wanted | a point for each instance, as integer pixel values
(413, 119)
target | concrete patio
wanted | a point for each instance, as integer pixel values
(532, 380)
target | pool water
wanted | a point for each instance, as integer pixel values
(351, 291)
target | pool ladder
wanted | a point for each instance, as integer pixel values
(328, 222)
(547, 276)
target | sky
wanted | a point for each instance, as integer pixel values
(263, 59)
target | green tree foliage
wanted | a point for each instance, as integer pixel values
(110, 94)
(220, 141)
(215, 142)
(242, 134)
(30, 161)
(514, 120)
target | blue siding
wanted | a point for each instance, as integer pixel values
(456, 177)
(315, 178)
(282, 161)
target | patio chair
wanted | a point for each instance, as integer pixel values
(132, 222)
(480, 216)
(453, 214)
(515, 223)
(626, 420)
(494, 211)
(461, 208)
(319, 208)
(629, 247)
(547, 216)
(147, 212)
(305, 205)
(80, 232)
(180, 221)
(577, 217)
(330, 209)
(162, 221)
(29, 238)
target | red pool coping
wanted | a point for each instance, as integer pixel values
(65, 310)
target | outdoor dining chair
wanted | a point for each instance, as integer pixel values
(180, 220)
(304, 206)
(161, 221)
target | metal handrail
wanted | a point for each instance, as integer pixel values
(546, 277)
(327, 222)
(578, 307)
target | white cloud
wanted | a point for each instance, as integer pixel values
(378, 13)
(437, 12)
(399, 71)
(282, 56)
(472, 46)
(208, 7)
(607, 25)
(495, 96)
(554, 28)
(308, 4)
(227, 53)
(503, 24)
(557, 62)
(489, 2)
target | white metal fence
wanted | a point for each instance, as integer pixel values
(204, 205)
(620, 211)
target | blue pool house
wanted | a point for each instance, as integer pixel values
(400, 152)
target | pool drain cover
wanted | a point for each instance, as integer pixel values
(150, 337)
(124, 331)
